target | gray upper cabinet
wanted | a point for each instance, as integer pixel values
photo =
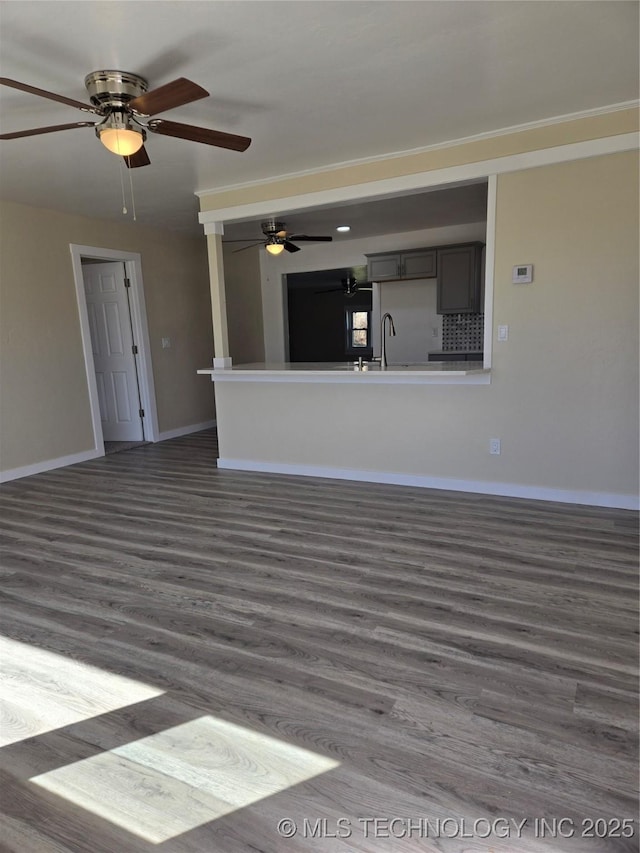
(458, 269)
(459, 281)
(383, 266)
(416, 263)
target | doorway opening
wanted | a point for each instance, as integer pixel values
(326, 322)
(116, 347)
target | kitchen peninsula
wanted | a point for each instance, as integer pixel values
(330, 419)
(327, 419)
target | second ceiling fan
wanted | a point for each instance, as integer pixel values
(349, 286)
(277, 239)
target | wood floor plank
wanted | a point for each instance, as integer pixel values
(457, 657)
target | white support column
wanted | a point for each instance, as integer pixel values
(222, 357)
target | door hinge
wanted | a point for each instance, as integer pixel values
(127, 282)
(141, 412)
(134, 349)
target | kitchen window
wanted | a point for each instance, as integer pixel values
(358, 330)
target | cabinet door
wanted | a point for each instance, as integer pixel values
(419, 264)
(458, 280)
(384, 266)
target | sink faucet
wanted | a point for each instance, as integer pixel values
(383, 344)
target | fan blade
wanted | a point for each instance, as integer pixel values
(87, 108)
(315, 239)
(140, 158)
(290, 247)
(199, 134)
(36, 131)
(174, 94)
(250, 246)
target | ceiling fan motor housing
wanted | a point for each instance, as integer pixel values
(114, 88)
(271, 228)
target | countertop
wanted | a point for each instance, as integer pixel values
(433, 372)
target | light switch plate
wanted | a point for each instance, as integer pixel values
(522, 274)
(503, 333)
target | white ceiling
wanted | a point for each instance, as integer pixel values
(312, 83)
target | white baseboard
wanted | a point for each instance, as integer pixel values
(510, 490)
(176, 433)
(49, 465)
(86, 455)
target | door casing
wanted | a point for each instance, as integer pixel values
(133, 266)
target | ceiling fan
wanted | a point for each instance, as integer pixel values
(123, 105)
(277, 239)
(349, 286)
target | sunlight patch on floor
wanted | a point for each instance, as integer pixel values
(42, 691)
(171, 782)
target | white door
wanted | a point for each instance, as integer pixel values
(113, 351)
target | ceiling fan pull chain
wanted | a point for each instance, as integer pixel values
(124, 205)
(133, 200)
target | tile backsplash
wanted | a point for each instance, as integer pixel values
(463, 332)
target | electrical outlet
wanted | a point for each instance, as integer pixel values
(503, 333)
(494, 446)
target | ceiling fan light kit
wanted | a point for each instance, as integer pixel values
(274, 247)
(119, 136)
(124, 104)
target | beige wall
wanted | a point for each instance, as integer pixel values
(44, 400)
(244, 305)
(438, 157)
(564, 391)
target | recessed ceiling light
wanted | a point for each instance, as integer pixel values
(343, 228)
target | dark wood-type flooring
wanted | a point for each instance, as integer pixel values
(456, 658)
